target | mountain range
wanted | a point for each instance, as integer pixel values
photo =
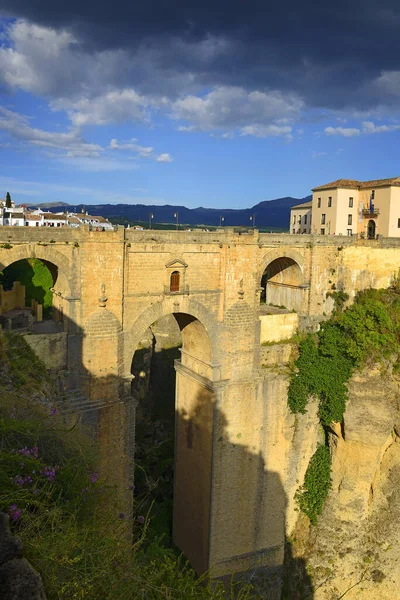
(269, 213)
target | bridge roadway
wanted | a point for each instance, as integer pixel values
(234, 467)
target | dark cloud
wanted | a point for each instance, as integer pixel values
(330, 54)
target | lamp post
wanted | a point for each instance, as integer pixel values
(253, 218)
(221, 220)
(151, 216)
(176, 215)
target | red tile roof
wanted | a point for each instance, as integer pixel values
(304, 205)
(358, 185)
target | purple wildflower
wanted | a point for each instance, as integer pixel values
(94, 477)
(49, 473)
(53, 411)
(12, 416)
(29, 452)
(122, 515)
(140, 519)
(20, 481)
(14, 512)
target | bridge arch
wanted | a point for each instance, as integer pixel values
(283, 280)
(193, 309)
(48, 254)
(194, 420)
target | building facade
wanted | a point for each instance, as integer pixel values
(349, 207)
(300, 218)
(23, 217)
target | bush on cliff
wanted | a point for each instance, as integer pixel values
(366, 332)
(72, 531)
(317, 482)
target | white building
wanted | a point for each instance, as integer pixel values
(20, 216)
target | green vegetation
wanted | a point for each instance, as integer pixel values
(317, 483)
(365, 333)
(8, 200)
(69, 520)
(37, 279)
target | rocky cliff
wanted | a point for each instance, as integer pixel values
(353, 552)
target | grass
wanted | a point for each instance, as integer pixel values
(66, 516)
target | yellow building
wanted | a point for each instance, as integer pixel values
(348, 207)
(300, 218)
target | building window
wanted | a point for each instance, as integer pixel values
(294, 219)
(349, 232)
(398, 223)
(299, 220)
(329, 201)
(349, 219)
(174, 282)
(350, 202)
(372, 194)
(304, 230)
(323, 216)
(319, 202)
(322, 231)
(293, 231)
(310, 219)
(305, 219)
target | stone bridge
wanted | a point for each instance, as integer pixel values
(239, 453)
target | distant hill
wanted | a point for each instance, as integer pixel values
(59, 205)
(270, 213)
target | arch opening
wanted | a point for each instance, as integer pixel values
(32, 293)
(172, 387)
(281, 284)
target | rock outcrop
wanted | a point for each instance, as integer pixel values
(18, 580)
(353, 552)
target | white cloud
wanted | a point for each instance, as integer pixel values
(133, 146)
(233, 107)
(145, 152)
(263, 131)
(344, 131)
(367, 128)
(17, 126)
(319, 154)
(164, 158)
(112, 107)
(370, 127)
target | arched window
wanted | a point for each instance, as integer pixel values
(174, 282)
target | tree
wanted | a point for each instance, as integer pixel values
(8, 200)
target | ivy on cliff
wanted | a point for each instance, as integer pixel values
(366, 332)
(317, 483)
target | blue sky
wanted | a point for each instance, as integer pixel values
(191, 109)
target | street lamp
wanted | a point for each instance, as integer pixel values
(176, 215)
(253, 218)
(221, 220)
(151, 216)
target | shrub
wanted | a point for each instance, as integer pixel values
(317, 483)
(367, 331)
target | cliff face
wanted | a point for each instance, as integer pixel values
(354, 548)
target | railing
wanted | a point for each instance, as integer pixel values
(184, 289)
(368, 213)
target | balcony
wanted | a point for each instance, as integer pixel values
(367, 213)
